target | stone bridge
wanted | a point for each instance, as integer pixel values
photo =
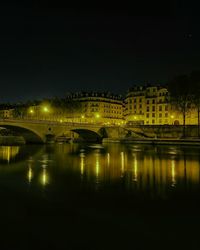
(35, 131)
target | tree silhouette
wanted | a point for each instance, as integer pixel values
(195, 90)
(180, 95)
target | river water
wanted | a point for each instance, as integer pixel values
(84, 196)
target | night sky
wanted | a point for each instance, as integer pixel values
(48, 50)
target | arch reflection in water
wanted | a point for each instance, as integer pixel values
(7, 153)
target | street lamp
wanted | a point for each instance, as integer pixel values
(82, 117)
(97, 116)
(31, 112)
(45, 110)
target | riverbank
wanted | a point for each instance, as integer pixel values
(11, 140)
(155, 141)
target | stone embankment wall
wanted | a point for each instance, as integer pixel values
(165, 131)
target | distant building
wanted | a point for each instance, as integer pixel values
(6, 113)
(147, 105)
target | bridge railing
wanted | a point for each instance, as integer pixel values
(74, 124)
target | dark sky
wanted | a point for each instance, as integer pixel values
(48, 50)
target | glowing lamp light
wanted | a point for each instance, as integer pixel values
(82, 116)
(31, 111)
(45, 109)
(97, 115)
(172, 116)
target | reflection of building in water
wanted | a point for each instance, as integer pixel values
(140, 170)
(8, 152)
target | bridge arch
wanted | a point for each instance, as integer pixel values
(88, 135)
(30, 135)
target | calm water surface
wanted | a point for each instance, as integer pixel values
(99, 197)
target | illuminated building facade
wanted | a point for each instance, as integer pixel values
(143, 105)
(148, 105)
(98, 108)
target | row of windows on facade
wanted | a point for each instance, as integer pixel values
(105, 111)
(160, 121)
(148, 101)
(154, 115)
(105, 106)
(148, 108)
(159, 108)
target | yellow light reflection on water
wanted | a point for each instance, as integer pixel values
(122, 163)
(30, 174)
(108, 159)
(97, 165)
(173, 173)
(8, 152)
(30, 170)
(44, 177)
(135, 168)
(82, 156)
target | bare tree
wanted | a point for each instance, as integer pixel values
(180, 96)
(195, 89)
